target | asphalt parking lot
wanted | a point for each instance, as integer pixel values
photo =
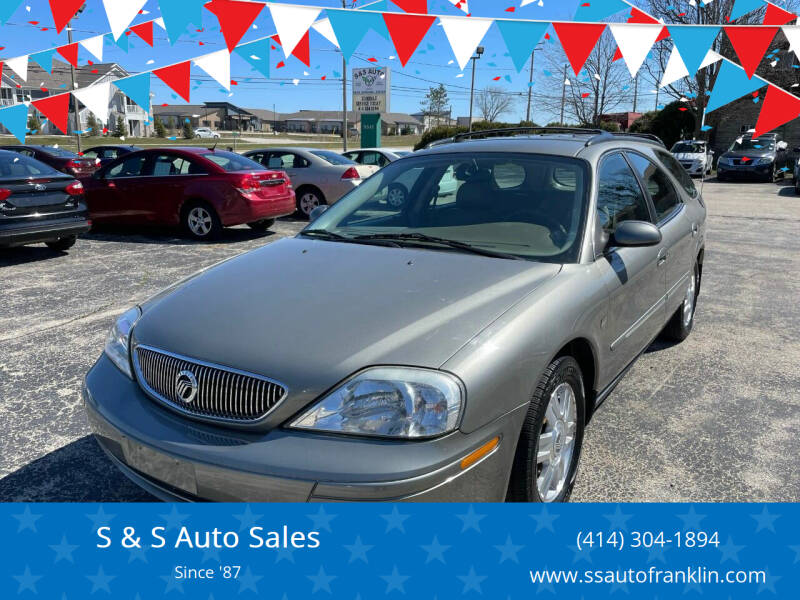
(712, 419)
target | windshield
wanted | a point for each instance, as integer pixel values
(332, 157)
(750, 144)
(530, 206)
(233, 162)
(688, 148)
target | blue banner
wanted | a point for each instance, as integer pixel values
(129, 551)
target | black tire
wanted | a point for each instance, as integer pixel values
(678, 328)
(525, 470)
(305, 204)
(211, 228)
(770, 176)
(797, 186)
(62, 244)
(262, 225)
(721, 177)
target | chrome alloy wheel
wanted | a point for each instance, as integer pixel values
(308, 202)
(200, 221)
(556, 446)
(688, 301)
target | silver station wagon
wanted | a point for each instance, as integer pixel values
(450, 347)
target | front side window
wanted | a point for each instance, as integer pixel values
(678, 172)
(286, 160)
(508, 204)
(130, 167)
(619, 196)
(166, 165)
(662, 192)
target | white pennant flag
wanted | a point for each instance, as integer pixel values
(19, 65)
(292, 22)
(94, 46)
(635, 40)
(218, 65)
(676, 69)
(792, 33)
(323, 27)
(96, 98)
(462, 4)
(121, 13)
(464, 34)
(160, 22)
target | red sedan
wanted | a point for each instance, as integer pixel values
(200, 189)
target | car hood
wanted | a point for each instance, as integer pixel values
(309, 313)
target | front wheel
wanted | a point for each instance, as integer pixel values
(681, 323)
(546, 462)
(396, 195)
(201, 222)
(261, 225)
(307, 200)
(62, 244)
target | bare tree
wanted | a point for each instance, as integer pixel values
(494, 102)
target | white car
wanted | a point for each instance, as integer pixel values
(205, 132)
(695, 156)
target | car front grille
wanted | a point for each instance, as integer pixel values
(220, 393)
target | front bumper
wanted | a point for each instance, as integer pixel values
(744, 171)
(178, 459)
(33, 231)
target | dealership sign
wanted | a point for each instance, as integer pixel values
(372, 90)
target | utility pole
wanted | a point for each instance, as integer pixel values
(475, 58)
(563, 94)
(344, 96)
(530, 86)
(72, 77)
(635, 90)
(656, 106)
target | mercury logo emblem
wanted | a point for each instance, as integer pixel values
(186, 386)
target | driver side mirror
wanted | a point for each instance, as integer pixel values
(630, 234)
(317, 212)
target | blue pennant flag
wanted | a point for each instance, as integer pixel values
(8, 8)
(732, 83)
(693, 43)
(599, 9)
(177, 15)
(351, 26)
(380, 6)
(122, 42)
(521, 38)
(742, 7)
(137, 88)
(256, 54)
(15, 119)
(44, 59)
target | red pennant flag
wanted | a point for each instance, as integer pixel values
(578, 41)
(750, 44)
(407, 32)
(779, 107)
(413, 6)
(235, 18)
(775, 15)
(63, 11)
(638, 16)
(144, 31)
(617, 55)
(178, 77)
(56, 109)
(302, 51)
(70, 53)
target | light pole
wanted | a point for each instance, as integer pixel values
(475, 58)
(344, 96)
(530, 81)
(72, 77)
(563, 94)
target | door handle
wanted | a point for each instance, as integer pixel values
(663, 255)
(694, 229)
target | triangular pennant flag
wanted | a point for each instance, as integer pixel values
(324, 28)
(792, 34)
(578, 41)
(292, 23)
(235, 18)
(464, 34)
(8, 8)
(521, 38)
(462, 4)
(779, 107)
(160, 22)
(63, 11)
(413, 6)
(257, 54)
(407, 32)
(121, 43)
(635, 41)
(693, 42)
(597, 10)
(178, 77)
(742, 7)
(137, 88)
(350, 27)
(94, 46)
(120, 14)
(177, 14)
(218, 65)
(775, 15)
(639, 16)
(70, 53)
(676, 69)
(144, 31)
(96, 98)
(56, 109)
(302, 51)
(15, 119)
(19, 65)
(750, 44)
(44, 59)
(732, 83)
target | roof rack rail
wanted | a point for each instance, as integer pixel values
(510, 131)
(644, 136)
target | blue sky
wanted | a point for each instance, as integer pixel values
(427, 68)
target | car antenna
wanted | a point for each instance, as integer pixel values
(214, 147)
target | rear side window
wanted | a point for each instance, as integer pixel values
(17, 165)
(619, 196)
(166, 165)
(662, 192)
(233, 162)
(678, 172)
(333, 158)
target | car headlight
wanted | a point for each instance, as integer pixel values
(118, 341)
(724, 161)
(399, 402)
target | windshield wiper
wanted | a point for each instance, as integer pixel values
(324, 234)
(421, 238)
